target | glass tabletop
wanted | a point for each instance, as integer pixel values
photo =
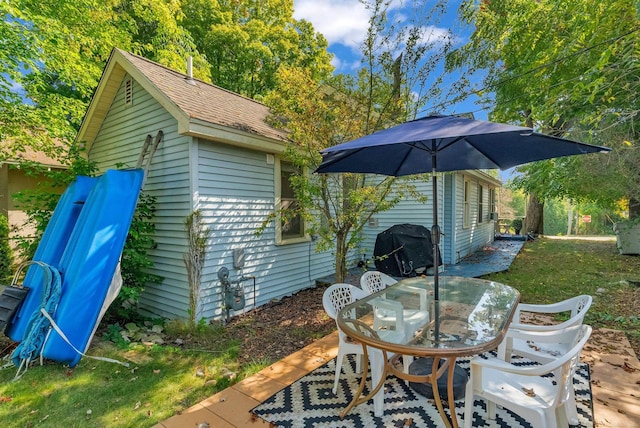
(470, 317)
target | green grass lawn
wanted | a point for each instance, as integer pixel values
(163, 380)
(549, 270)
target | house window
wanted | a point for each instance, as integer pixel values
(481, 210)
(289, 222)
(128, 92)
(466, 215)
(492, 202)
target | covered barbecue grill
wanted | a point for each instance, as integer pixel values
(404, 250)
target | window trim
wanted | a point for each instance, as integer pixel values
(466, 206)
(493, 207)
(481, 204)
(278, 203)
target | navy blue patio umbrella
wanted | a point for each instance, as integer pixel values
(440, 143)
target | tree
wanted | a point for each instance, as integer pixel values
(398, 57)
(55, 59)
(566, 68)
(246, 41)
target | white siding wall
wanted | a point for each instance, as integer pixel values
(480, 232)
(457, 241)
(236, 193)
(407, 211)
(235, 190)
(120, 142)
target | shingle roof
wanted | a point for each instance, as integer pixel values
(203, 101)
(37, 157)
(202, 109)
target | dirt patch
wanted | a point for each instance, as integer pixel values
(278, 329)
(281, 328)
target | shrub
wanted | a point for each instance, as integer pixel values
(135, 262)
(517, 224)
(6, 253)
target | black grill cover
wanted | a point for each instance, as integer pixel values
(402, 249)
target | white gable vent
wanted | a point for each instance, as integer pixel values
(128, 92)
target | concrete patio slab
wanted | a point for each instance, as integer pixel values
(283, 372)
(232, 406)
(196, 416)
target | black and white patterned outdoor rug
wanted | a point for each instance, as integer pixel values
(309, 402)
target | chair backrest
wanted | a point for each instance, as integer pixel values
(578, 306)
(374, 281)
(339, 295)
(581, 305)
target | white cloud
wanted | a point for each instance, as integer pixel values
(340, 21)
(345, 23)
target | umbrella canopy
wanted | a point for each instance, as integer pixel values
(455, 143)
(446, 143)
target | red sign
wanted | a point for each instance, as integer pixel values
(586, 219)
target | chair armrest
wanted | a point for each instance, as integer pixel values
(564, 335)
(503, 366)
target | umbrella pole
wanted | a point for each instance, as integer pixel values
(435, 237)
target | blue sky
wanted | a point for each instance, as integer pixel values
(344, 24)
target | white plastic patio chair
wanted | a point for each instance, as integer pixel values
(543, 401)
(577, 306)
(374, 281)
(516, 342)
(336, 297)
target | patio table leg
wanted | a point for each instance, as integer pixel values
(435, 366)
(379, 373)
(452, 405)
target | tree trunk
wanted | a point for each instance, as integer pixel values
(341, 256)
(534, 221)
(634, 208)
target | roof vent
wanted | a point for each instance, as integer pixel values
(190, 70)
(128, 92)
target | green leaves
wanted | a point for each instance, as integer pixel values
(568, 68)
(246, 42)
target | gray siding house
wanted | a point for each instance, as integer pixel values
(219, 156)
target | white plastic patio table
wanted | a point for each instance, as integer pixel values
(471, 317)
